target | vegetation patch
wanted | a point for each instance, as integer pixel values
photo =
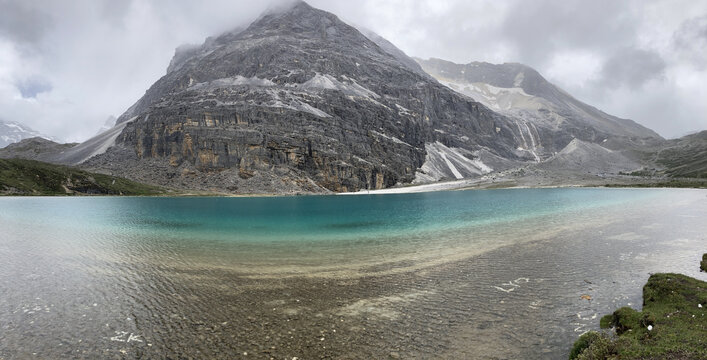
(29, 177)
(672, 183)
(672, 325)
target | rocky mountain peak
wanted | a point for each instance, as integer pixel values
(297, 17)
(300, 100)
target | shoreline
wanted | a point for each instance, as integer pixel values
(486, 182)
(413, 189)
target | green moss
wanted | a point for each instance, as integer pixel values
(678, 326)
(29, 177)
(593, 345)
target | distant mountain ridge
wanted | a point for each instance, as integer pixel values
(12, 132)
(548, 116)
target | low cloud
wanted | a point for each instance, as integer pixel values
(23, 22)
(65, 66)
(631, 68)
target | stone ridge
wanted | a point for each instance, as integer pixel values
(297, 100)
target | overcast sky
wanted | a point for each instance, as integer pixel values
(66, 66)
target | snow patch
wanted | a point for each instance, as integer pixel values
(402, 111)
(391, 138)
(492, 96)
(293, 103)
(231, 81)
(451, 166)
(445, 162)
(300, 106)
(349, 86)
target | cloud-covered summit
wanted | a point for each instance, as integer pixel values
(66, 66)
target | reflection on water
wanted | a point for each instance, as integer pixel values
(474, 274)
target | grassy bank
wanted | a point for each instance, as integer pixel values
(29, 177)
(672, 183)
(672, 324)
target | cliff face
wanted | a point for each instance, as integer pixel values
(303, 100)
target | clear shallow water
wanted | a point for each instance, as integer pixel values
(444, 274)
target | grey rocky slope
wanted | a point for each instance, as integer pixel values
(301, 100)
(11, 132)
(548, 117)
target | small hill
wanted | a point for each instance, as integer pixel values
(35, 148)
(30, 177)
(686, 156)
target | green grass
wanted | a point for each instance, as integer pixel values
(670, 308)
(29, 177)
(672, 183)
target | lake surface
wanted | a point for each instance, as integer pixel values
(464, 274)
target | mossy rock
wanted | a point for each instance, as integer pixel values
(672, 325)
(592, 345)
(703, 264)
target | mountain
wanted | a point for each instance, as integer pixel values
(301, 101)
(11, 132)
(547, 117)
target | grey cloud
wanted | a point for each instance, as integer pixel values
(23, 22)
(101, 55)
(539, 28)
(690, 41)
(114, 11)
(631, 67)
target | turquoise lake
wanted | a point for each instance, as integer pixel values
(458, 274)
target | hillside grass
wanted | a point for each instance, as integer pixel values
(671, 183)
(30, 177)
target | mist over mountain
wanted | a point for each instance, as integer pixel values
(12, 132)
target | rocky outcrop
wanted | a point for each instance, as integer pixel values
(298, 92)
